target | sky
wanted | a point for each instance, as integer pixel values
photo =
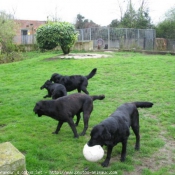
(101, 12)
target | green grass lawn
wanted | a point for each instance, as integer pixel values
(123, 77)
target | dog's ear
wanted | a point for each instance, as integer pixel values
(40, 105)
(37, 106)
(35, 109)
(53, 77)
(106, 135)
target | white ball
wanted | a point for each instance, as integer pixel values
(93, 153)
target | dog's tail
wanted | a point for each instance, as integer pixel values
(143, 104)
(98, 97)
(91, 74)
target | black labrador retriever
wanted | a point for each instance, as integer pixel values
(73, 82)
(54, 90)
(115, 129)
(64, 108)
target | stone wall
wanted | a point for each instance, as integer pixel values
(83, 45)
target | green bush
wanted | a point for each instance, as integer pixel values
(11, 57)
(53, 34)
(28, 47)
(166, 29)
(8, 28)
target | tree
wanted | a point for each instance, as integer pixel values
(129, 18)
(79, 22)
(166, 28)
(7, 32)
(132, 18)
(143, 18)
(82, 23)
(53, 34)
(115, 23)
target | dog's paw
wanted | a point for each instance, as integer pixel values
(105, 164)
(122, 159)
(54, 132)
(137, 148)
(82, 134)
(76, 137)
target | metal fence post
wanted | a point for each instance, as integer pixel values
(108, 37)
(90, 34)
(82, 38)
(125, 42)
(138, 36)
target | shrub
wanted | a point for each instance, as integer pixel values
(53, 34)
(11, 57)
(8, 29)
(166, 28)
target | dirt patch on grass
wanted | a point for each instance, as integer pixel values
(164, 157)
(2, 125)
(80, 56)
(85, 55)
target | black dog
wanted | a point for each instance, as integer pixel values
(63, 109)
(55, 90)
(115, 129)
(73, 82)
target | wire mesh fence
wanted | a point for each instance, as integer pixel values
(115, 38)
(171, 45)
(118, 38)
